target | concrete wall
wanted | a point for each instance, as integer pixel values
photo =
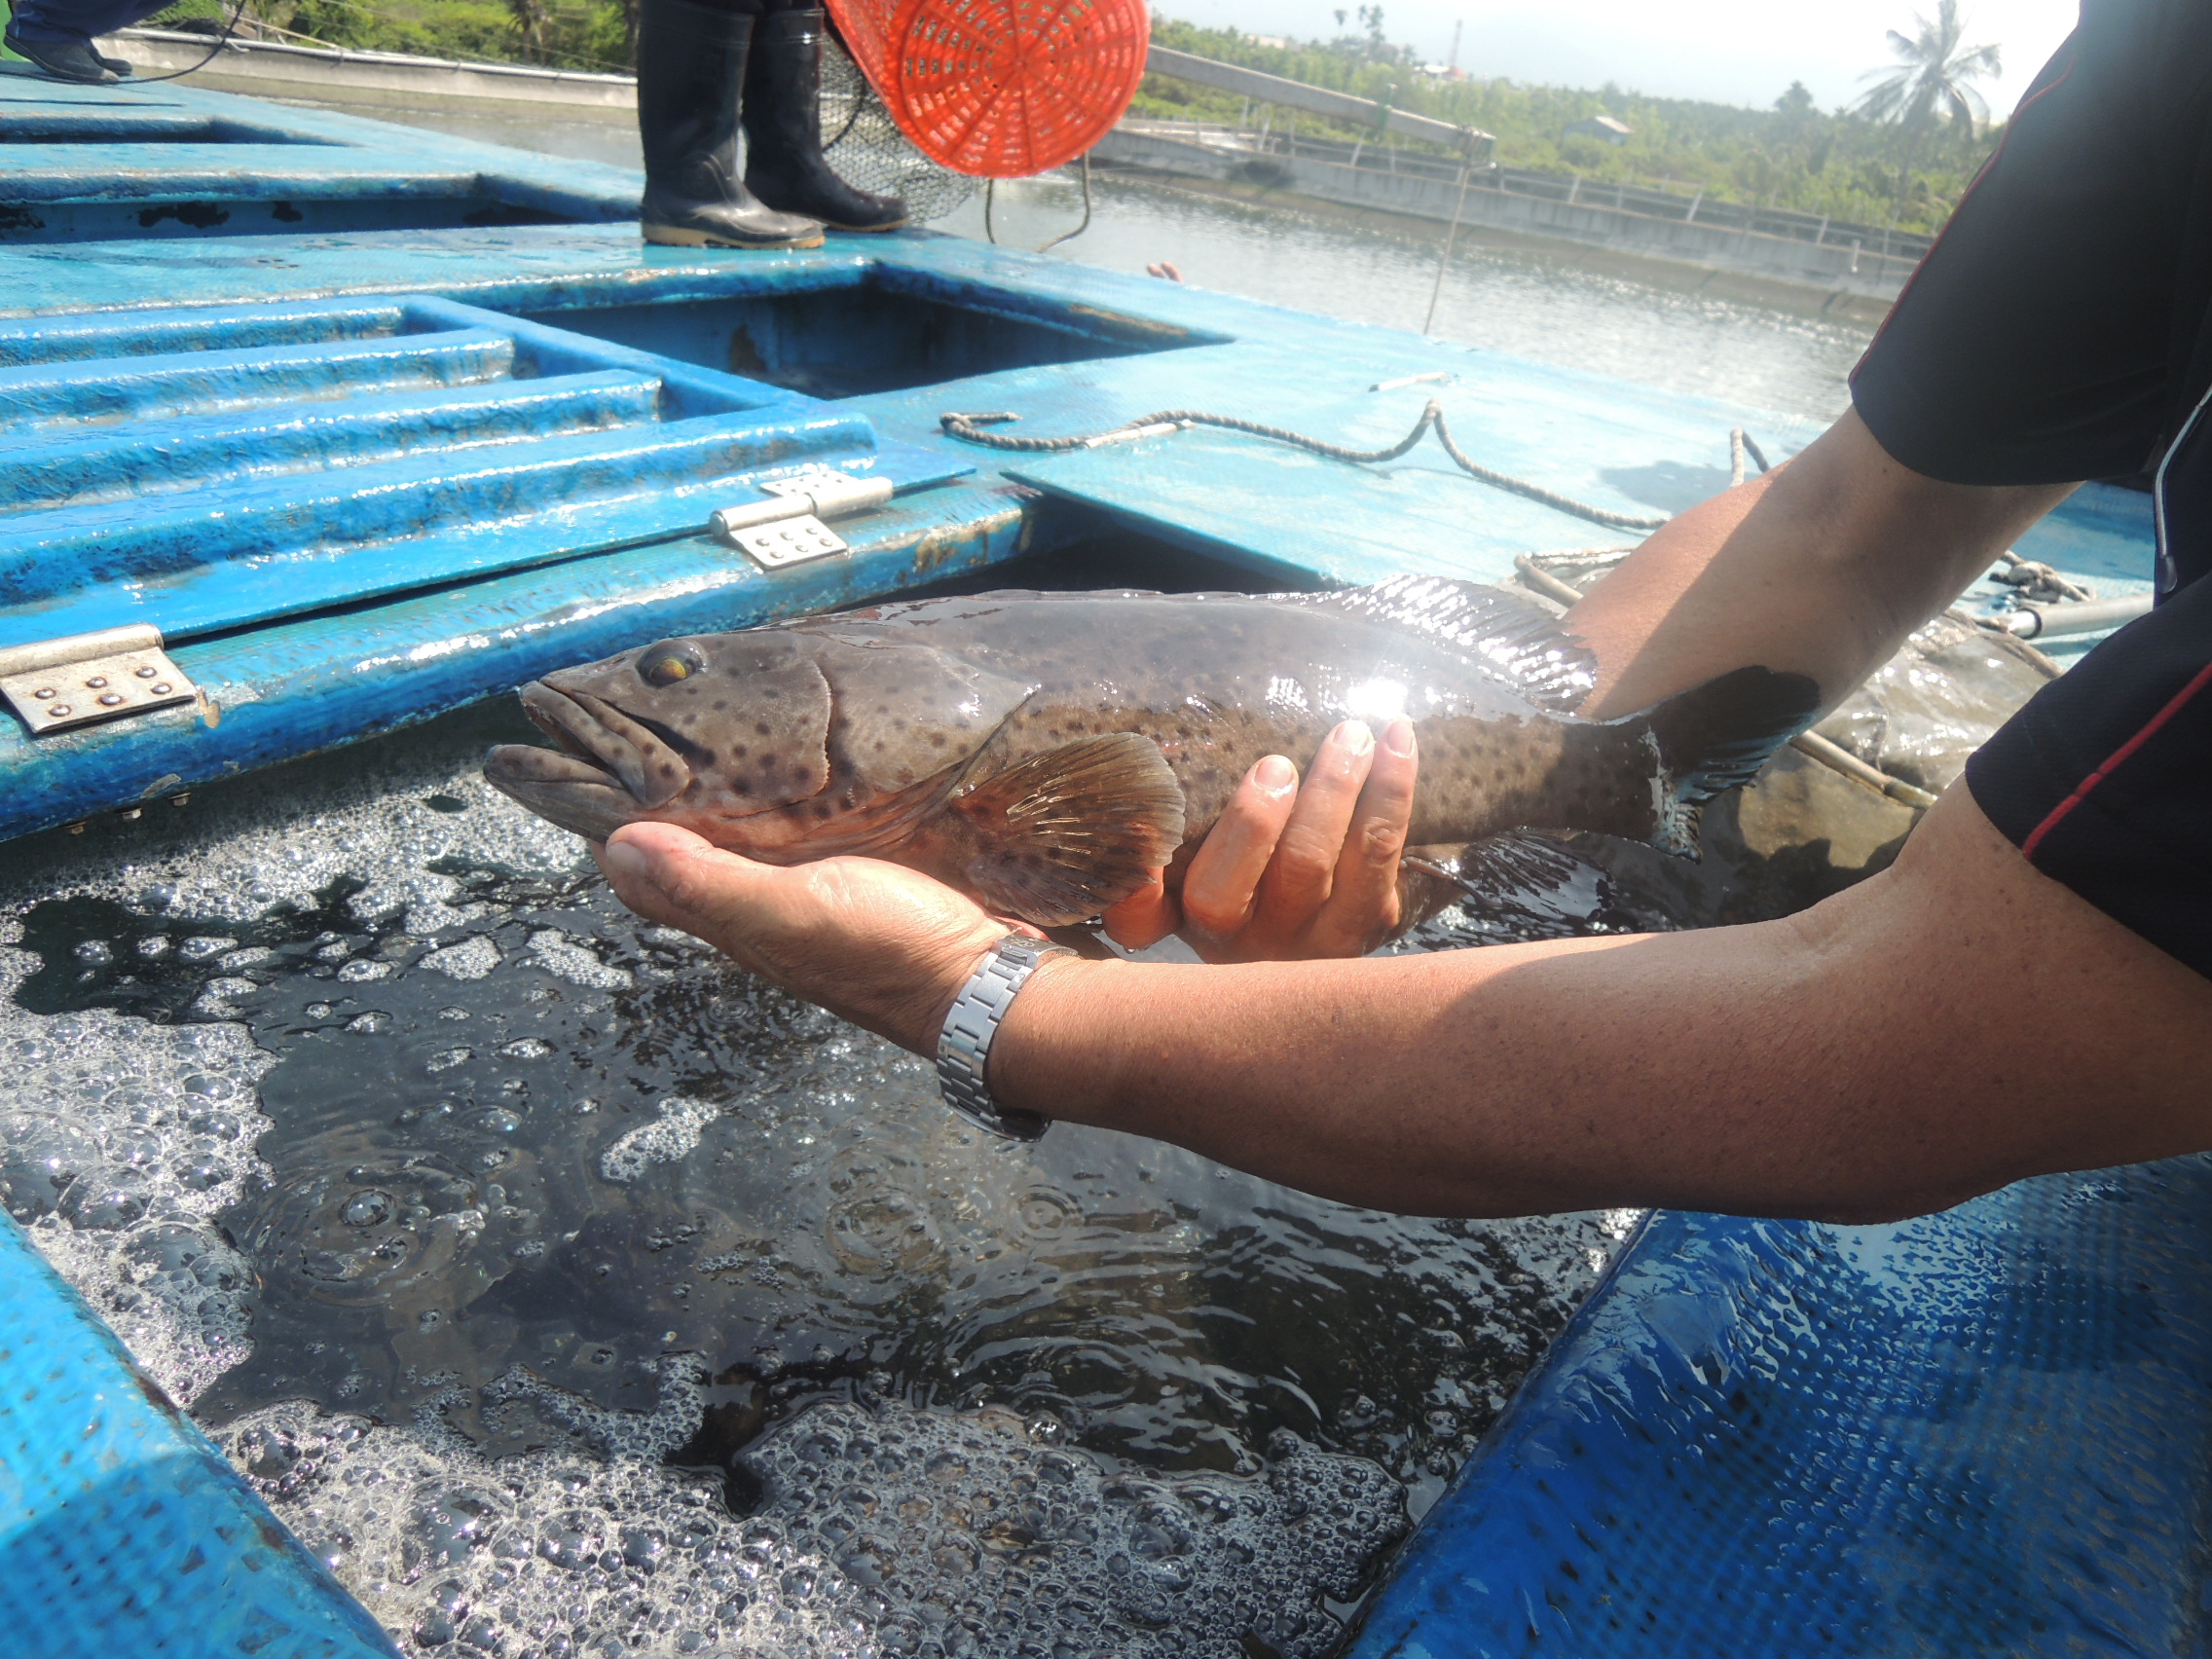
(1844, 268)
(269, 68)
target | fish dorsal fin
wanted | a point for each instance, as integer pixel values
(1065, 833)
(1520, 644)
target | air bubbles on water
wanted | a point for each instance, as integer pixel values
(120, 1141)
(560, 954)
(598, 1547)
(474, 958)
(669, 1137)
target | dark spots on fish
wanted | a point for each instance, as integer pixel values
(822, 810)
(937, 740)
(721, 705)
(737, 753)
(880, 746)
(666, 768)
(760, 727)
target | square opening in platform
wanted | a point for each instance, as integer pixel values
(886, 332)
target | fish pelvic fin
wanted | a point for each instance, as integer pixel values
(1716, 737)
(1520, 645)
(1069, 831)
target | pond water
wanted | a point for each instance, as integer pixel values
(572, 1292)
(1544, 305)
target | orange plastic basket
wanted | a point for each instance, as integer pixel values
(1000, 89)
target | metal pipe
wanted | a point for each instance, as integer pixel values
(826, 500)
(2086, 617)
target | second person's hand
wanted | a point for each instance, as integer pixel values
(1291, 873)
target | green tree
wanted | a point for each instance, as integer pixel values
(1933, 78)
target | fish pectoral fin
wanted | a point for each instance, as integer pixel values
(1068, 832)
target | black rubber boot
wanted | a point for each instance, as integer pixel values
(65, 59)
(783, 161)
(690, 72)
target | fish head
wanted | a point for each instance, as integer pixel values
(783, 743)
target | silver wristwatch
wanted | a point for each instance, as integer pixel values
(964, 1047)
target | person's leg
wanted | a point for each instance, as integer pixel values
(783, 164)
(58, 34)
(691, 57)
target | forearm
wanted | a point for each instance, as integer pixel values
(1846, 1064)
(1821, 567)
(1514, 1079)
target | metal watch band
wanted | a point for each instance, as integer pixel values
(964, 1047)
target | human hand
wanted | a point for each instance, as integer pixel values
(885, 946)
(1289, 873)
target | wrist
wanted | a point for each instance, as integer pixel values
(971, 1031)
(1040, 1045)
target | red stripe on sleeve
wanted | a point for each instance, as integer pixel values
(2081, 789)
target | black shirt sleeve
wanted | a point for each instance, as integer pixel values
(2105, 778)
(2056, 330)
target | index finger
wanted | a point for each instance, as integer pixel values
(1222, 884)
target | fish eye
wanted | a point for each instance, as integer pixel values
(665, 665)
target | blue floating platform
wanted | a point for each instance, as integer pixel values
(371, 423)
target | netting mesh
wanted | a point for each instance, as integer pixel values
(869, 151)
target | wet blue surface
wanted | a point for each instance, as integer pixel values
(1978, 1432)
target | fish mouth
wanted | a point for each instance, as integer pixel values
(608, 769)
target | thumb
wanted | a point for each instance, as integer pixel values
(674, 877)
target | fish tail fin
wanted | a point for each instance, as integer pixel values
(1717, 735)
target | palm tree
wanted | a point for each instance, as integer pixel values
(1934, 77)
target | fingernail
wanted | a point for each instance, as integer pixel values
(1354, 736)
(1275, 775)
(625, 859)
(1398, 738)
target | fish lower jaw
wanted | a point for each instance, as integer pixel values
(577, 795)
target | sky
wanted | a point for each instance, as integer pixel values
(1728, 51)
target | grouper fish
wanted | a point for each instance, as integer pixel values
(1047, 751)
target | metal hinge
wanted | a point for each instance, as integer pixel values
(60, 684)
(788, 528)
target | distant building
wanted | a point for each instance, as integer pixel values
(1601, 127)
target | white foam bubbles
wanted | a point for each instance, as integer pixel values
(118, 1141)
(672, 1135)
(880, 1529)
(560, 954)
(474, 958)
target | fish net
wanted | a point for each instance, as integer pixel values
(869, 151)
